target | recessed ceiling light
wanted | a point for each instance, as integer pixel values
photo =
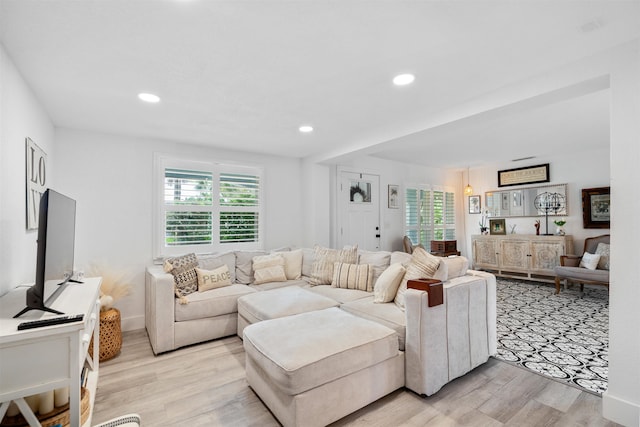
(149, 97)
(403, 79)
(305, 128)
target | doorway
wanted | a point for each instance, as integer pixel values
(358, 210)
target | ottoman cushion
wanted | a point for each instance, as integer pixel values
(301, 352)
(281, 302)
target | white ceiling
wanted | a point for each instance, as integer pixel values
(245, 74)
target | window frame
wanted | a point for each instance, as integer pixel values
(428, 228)
(165, 161)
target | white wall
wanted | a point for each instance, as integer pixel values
(111, 179)
(580, 170)
(21, 116)
(397, 173)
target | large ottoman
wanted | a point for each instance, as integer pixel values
(314, 368)
(276, 303)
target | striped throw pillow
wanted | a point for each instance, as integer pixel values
(353, 276)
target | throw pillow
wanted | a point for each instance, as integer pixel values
(324, 258)
(457, 266)
(292, 263)
(268, 268)
(213, 261)
(422, 265)
(589, 261)
(352, 276)
(387, 284)
(183, 269)
(604, 250)
(212, 279)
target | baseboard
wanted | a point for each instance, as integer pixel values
(620, 411)
(132, 323)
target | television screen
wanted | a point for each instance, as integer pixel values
(56, 238)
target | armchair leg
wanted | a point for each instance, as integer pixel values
(557, 285)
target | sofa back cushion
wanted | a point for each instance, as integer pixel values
(244, 265)
(292, 263)
(213, 261)
(379, 260)
(353, 276)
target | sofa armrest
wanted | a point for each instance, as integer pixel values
(159, 309)
(447, 341)
(570, 260)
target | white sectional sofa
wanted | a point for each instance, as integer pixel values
(439, 343)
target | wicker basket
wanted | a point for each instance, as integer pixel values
(59, 415)
(110, 334)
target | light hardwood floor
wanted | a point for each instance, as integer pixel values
(204, 385)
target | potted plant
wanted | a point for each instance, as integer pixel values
(559, 223)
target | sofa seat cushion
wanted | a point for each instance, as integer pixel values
(338, 294)
(301, 352)
(211, 303)
(388, 314)
(577, 273)
(281, 302)
(276, 285)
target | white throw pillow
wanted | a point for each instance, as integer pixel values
(423, 265)
(589, 261)
(322, 267)
(387, 284)
(604, 250)
(292, 264)
(212, 279)
(268, 268)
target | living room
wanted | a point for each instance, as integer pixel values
(112, 174)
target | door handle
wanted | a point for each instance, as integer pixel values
(377, 235)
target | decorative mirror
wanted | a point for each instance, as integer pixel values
(544, 200)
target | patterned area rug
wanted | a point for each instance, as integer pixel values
(564, 337)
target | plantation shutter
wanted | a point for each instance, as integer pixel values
(429, 215)
(412, 216)
(239, 207)
(449, 217)
(187, 199)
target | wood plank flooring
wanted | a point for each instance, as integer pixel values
(205, 385)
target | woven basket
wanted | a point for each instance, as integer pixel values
(59, 415)
(110, 334)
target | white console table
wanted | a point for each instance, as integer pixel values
(37, 360)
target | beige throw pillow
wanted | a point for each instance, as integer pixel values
(589, 261)
(387, 284)
(324, 258)
(212, 279)
(292, 264)
(268, 268)
(352, 276)
(604, 250)
(422, 265)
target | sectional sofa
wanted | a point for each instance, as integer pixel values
(438, 344)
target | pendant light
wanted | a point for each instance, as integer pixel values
(468, 190)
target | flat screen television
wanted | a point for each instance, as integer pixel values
(56, 239)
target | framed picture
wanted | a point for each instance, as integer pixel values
(36, 177)
(474, 205)
(525, 175)
(596, 207)
(360, 192)
(393, 197)
(497, 226)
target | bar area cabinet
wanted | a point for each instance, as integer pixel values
(524, 256)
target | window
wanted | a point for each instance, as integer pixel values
(429, 214)
(207, 207)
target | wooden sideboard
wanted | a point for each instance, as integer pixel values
(36, 360)
(520, 255)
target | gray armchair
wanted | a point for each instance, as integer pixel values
(569, 269)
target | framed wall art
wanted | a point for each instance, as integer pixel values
(596, 207)
(36, 179)
(393, 192)
(474, 204)
(359, 192)
(497, 226)
(524, 175)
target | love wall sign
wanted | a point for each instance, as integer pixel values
(36, 160)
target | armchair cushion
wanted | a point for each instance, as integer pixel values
(578, 274)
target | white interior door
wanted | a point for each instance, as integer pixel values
(359, 210)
